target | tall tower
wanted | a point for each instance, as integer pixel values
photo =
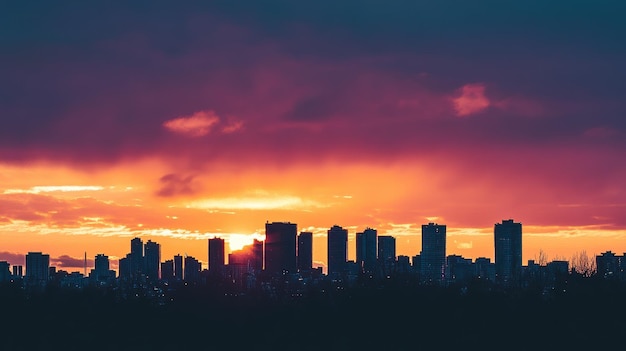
(280, 247)
(387, 253)
(178, 267)
(508, 247)
(152, 260)
(37, 269)
(257, 255)
(101, 267)
(136, 257)
(366, 249)
(216, 255)
(305, 251)
(433, 256)
(337, 250)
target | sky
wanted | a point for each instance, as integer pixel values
(180, 122)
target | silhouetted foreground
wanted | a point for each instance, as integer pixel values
(589, 314)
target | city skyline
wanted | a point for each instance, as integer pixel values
(180, 123)
(376, 252)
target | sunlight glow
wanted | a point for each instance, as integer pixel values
(48, 189)
(251, 203)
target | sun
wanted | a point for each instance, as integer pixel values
(239, 241)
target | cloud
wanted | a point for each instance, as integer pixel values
(232, 127)
(471, 100)
(68, 261)
(268, 202)
(197, 125)
(59, 188)
(12, 258)
(463, 245)
(174, 184)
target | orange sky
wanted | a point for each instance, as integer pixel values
(211, 118)
(66, 212)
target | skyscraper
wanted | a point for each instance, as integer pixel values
(280, 247)
(101, 268)
(5, 273)
(167, 270)
(152, 260)
(178, 267)
(305, 251)
(192, 269)
(216, 255)
(37, 269)
(508, 246)
(136, 258)
(257, 255)
(387, 253)
(366, 250)
(433, 255)
(337, 250)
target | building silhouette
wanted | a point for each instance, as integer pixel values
(366, 250)
(5, 272)
(508, 252)
(484, 269)
(152, 251)
(305, 251)
(37, 269)
(386, 253)
(17, 271)
(433, 255)
(136, 258)
(337, 250)
(167, 270)
(102, 274)
(124, 267)
(216, 255)
(178, 268)
(192, 269)
(608, 264)
(257, 255)
(280, 247)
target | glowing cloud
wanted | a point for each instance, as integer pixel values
(251, 203)
(471, 100)
(232, 127)
(196, 125)
(49, 189)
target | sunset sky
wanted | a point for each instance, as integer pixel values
(179, 122)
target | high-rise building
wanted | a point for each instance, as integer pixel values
(508, 252)
(484, 269)
(124, 264)
(280, 247)
(136, 257)
(433, 255)
(387, 253)
(337, 250)
(192, 269)
(178, 267)
(366, 249)
(37, 269)
(257, 255)
(305, 251)
(167, 270)
(101, 268)
(216, 255)
(152, 253)
(5, 272)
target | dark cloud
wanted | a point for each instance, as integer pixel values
(174, 184)
(64, 261)
(12, 258)
(359, 80)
